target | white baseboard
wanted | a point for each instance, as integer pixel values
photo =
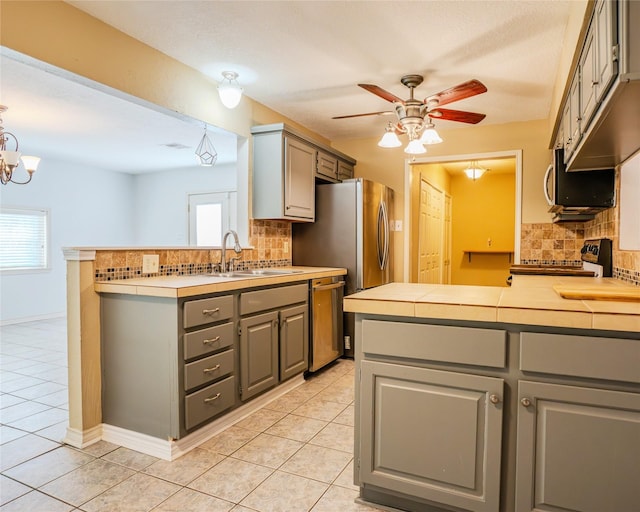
(171, 449)
(83, 438)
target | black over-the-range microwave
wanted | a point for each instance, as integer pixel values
(577, 195)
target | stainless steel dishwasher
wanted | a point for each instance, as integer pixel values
(326, 322)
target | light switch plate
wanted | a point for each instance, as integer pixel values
(150, 263)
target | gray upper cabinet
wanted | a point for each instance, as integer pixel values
(577, 449)
(286, 165)
(588, 74)
(606, 48)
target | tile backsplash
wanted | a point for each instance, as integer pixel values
(559, 244)
(270, 242)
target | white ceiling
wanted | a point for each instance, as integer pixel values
(304, 59)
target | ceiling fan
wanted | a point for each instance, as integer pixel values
(415, 116)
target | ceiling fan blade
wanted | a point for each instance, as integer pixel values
(456, 115)
(383, 113)
(458, 92)
(379, 91)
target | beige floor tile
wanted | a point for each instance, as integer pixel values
(186, 468)
(320, 409)
(341, 393)
(9, 434)
(40, 420)
(240, 508)
(261, 420)
(288, 402)
(100, 448)
(340, 499)
(10, 489)
(188, 500)
(87, 482)
(282, 492)
(231, 479)
(130, 458)
(22, 449)
(140, 493)
(317, 462)
(48, 466)
(336, 436)
(345, 479)
(56, 432)
(346, 417)
(229, 440)
(36, 501)
(297, 428)
(267, 450)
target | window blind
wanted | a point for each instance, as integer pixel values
(23, 239)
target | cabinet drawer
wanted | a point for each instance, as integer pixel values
(208, 369)
(205, 341)
(260, 300)
(462, 345)
(581, 356)
(209, 402)
(205, 311)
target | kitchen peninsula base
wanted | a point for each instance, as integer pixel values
(467, 415)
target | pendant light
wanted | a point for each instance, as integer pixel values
(229, 89)
(205, 152)
(474, 171)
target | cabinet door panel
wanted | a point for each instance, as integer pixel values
(294, 341)
(607, 68)
(588, 80)
(300, 161)
(578, 449)
(258, 353)
(431, 434)
(327, 166)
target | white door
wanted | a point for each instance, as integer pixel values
(210, 216)
(446, 241)
(430, 226)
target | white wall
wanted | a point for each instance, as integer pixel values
(88, 207)
(97, 208)
(160, 201)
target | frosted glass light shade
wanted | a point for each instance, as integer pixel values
(430, 136)
(11, 158)
(30, 163)
(229, 89)
(474, 173)
(415, 147)
(389, 140)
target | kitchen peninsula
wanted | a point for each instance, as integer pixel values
(185, 356)
(472, 398)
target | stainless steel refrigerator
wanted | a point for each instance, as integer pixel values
(352, 230)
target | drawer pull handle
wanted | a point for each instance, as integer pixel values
(209, 370)
(212, 340)
(212, 398)
(494, 399)
(526, 401)
(210, 311)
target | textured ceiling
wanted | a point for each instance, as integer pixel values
(303, 59)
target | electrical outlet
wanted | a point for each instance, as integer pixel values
(150, 263)
(285, 247)
(347, 342)
(396, 225)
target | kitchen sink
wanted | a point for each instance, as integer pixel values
(258, 272)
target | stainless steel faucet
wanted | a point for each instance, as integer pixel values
(236, 248)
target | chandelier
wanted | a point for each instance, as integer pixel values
(10, 160)
(474, 171)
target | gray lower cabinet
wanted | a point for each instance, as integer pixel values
(431, 434)
(274, 337)
(578, 449)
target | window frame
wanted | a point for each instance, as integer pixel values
(46, 252)
(227, 200)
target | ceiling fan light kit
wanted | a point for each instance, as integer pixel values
(229, 89)
(415, 116)
(10, 159)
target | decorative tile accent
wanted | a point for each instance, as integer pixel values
(266, 237)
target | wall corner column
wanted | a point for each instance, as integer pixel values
(83, 348)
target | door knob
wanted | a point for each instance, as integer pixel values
(526, 402)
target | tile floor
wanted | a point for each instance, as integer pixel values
(295, 454)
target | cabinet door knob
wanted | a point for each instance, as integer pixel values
(494, 399)
(525, 401)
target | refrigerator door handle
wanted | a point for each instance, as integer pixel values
(383, 236)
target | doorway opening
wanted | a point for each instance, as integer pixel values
(461, 230)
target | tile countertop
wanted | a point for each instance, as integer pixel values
(531, 300)
(188, 286)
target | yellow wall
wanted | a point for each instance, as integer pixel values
(481, 210)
